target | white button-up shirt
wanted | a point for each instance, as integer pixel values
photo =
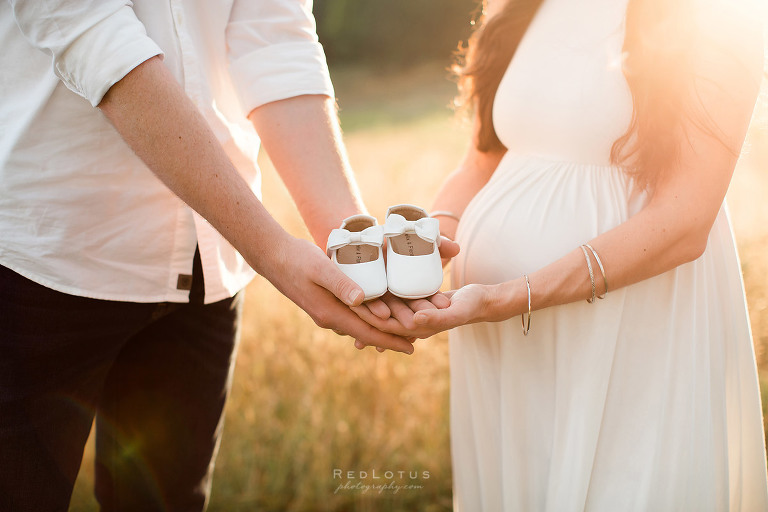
(79, 212)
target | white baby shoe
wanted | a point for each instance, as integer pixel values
(356, 249)
(414, 269)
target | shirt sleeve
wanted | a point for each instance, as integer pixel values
(94, 43)
(274, 52)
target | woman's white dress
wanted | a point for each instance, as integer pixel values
(645, 401)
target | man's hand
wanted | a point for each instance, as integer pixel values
(306, 276)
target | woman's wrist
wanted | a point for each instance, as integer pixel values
(445, 213)
(449, 222)
(506, 300)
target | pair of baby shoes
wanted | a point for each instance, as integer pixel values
(413, 266)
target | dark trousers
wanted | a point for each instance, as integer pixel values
(155, 376)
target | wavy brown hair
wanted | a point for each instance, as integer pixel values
(657, 63)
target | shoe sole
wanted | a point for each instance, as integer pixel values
(413, 297)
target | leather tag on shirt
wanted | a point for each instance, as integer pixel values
(184, 282)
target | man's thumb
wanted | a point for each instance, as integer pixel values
(344, 288)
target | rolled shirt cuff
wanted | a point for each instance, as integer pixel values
(103, 54)
(280, 71)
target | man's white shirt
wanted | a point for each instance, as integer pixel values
(79, 212)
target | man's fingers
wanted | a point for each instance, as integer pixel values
(385, 340)
(327, 295)
(359, 345)
(378, 308)
(400, 311)
(365, 334)
(389, 324)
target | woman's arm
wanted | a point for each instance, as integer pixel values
(464, 183)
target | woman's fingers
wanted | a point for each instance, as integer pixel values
(425, 317)
(448, 249)
(465, 307)
(419, 304)
(439, 319)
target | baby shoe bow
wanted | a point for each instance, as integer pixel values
(340, 237)
(426, 228)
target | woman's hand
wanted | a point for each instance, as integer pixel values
(400, 310)
(443, 311)
(470, 304)
(392, 314)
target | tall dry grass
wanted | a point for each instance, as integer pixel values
(305, 404)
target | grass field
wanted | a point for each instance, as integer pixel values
(307, 408)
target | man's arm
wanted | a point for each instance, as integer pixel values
(303, 140)
(154, 116)
(279, 73)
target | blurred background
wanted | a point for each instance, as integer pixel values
(315, 425)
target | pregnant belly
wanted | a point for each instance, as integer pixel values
(532, 212)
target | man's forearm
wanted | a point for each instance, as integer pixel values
(154, 116)
(303, 140)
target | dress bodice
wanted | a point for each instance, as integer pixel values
(564, 96)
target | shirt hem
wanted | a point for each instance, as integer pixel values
(182, 297)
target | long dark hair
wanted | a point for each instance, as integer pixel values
(657, 68)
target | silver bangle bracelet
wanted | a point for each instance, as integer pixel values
(602, 270)
(527, 324)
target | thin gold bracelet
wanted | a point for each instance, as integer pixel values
(591, 274)
(527, 325)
